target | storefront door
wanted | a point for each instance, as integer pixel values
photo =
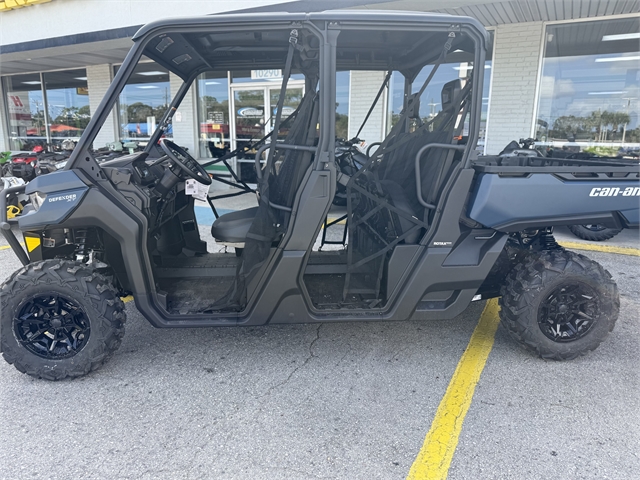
(253, 108)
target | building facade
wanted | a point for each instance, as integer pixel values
(565, 72)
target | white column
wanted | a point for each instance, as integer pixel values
(98, 80)
(516, 58)
(185, 119)
(4, 128)
(364, 86)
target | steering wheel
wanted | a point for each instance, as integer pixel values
(185, 162)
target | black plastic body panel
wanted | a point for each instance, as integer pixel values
(55, 182)
(398, 264)
(64, 193)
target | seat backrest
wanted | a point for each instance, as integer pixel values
(398, 162)
(289, 166)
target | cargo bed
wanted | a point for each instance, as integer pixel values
(517, 193)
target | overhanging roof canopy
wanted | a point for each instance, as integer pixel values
(261, 41)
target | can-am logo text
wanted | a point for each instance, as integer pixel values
(63, 198)
(614, 192)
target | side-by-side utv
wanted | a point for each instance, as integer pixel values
(429, 225)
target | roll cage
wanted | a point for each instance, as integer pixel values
(184, 46)
(403, 42)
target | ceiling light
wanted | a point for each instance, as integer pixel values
(32, 82)
(80, 78)
(147, 86)
(149, 74)
(606, 93)
(620, 36)
(211, 82)
(616, 59)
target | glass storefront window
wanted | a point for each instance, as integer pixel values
(213, 115)
(253, 104)
(253, 108)
(343, 80)
(67, 104)
(258, 76)
(46, 114)
(589, 88)
(26, 111)
(143, 101)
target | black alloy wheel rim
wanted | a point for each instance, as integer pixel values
(52, 327)
(568, 312)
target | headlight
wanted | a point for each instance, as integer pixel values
(61, 165)
(37, 199)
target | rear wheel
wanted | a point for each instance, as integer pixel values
(594, 232)
(559, 304)
(59, 319)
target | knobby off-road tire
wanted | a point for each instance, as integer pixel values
(595, 233)
(559, 304)
(59, 319)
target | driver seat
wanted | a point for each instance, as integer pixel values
(231, 228)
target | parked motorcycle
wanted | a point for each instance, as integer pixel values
(15, 201)
(5, 164)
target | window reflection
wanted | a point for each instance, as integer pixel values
(588, 98)
(213, 114)
(67, 104)
(39, 114)
(342, 104)
(143, 101)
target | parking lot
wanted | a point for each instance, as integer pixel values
(329, 401)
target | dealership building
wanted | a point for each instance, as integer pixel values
(566, 72)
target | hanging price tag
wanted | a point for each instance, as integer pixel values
(196, 189)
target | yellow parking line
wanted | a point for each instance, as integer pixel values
(435, 456)
(341, 222)
(601, 248)
(7, 247)
(127, 299)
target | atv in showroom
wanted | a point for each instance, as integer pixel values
(429, 225)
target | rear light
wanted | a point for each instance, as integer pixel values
(24, 159)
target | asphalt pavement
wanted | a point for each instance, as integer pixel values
(332, 401)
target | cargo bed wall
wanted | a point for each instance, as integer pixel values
(512, 199)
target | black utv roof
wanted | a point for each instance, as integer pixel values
(187, 46)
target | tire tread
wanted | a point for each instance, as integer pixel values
(527, 280)
(90, 287)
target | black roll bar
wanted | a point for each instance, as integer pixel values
(284, 146)
(5, 226)
(418, 176)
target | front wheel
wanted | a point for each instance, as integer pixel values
(59, 319)
(559, 304)
(595, 232)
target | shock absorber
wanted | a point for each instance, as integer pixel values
(81, 243)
